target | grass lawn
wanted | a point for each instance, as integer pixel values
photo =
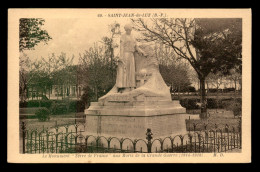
(63, 119)
(217, 119)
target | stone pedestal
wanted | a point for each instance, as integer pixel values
(131, 119)
(134, 127)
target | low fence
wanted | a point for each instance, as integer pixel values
(72, 139)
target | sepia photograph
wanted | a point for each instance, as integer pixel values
(129, 85)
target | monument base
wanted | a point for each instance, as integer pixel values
(135, 127)
(131, 119)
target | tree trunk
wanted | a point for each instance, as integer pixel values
(235, 88)
(32, 92)
(27, 93)
(203, 113)
(199, 90)
(207, 87)
(77, 94)
(96, 93)
(217, 96)
(179, 89)
(50, 92)
(57, 91)
(240, 84)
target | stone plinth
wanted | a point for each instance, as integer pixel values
(135, 126)
(132, 118)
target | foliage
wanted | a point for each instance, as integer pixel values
(65, 72)
(190, 89)
(63, 107)
(218, 43)
(88, 95)
(176, 76)
(214, 103)
(77, 106)
(31, 33)
(235, 105)
(42, 74)
(23, 76)
(42, 114)
(209, 45)
(215, 79)
(58, 108)
(226, 90)
(95, 67)
(235, 75)
(190, 103)
(173, 70)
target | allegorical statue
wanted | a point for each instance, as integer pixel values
(126, 80)
(138, 76)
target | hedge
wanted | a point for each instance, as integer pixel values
(36, 103)
(190, 103)
(56, 106)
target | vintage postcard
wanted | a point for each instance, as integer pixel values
(129, 85)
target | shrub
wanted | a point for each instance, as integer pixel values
(191, 89)
(58, 108)
(226, 90)
(42, 114)
(72, 105)
(234, 105)
(65, 106)
(190, 103)
(212, 90)
(33, 103)
(46, 103)
(213, 103)
(76, 106)
(80, 106)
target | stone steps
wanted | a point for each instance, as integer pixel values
(134, 111)
(136, 103)
(135, 108)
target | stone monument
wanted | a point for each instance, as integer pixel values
(139, 100)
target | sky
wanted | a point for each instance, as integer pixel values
(72, 36)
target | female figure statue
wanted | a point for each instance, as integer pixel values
(125, 80)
